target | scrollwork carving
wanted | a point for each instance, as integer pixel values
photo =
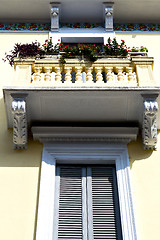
(109, 17)
(54, 12)
(19, 123)
(150, 124)
(54, 18)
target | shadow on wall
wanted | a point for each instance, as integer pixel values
(31, 157)
(136, 151)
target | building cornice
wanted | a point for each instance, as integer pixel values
(85, 134)
(45, 27)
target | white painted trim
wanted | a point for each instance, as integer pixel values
(84, 152)
(46, 197)
(102, 134)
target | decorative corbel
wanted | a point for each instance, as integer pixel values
(149, 129)
(19, 122)
(108, 11)
(54, 17)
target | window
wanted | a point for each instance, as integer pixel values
(86, 205)
(83, 153)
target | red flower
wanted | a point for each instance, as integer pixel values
(130, 26)
(76, 25)
(1, 25)
(21, 26)
(33, 26)
(142, 26)
(152, 29)
(87, 25)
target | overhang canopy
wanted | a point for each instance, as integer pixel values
(102, 105)
(125, 11)
(109, 107)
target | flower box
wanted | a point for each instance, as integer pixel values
(141, 54)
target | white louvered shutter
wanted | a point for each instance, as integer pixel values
(85, 203)
(71, 193)
(105, 216)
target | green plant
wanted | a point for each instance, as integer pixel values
(49, 47)
(90, 51)
(143, 49)
(112, 48)
(139, 49)
(22, 51)
(134, 49)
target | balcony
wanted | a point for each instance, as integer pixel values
(110, 92)
(133, 71)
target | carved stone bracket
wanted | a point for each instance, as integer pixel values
(149, 122)
(55, 17)
(19, 123)
(108, 8)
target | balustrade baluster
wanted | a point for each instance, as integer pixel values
(68, 77)
(47, 75)
(37, 75)
(120, 76)
(109, 72)
(89, 76)
(99, 77)
(130, 76)
(78, 71)
(58, 76)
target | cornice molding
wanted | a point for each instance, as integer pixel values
(46, 27)
(85, 134)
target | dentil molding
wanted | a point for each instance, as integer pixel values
(85, 134)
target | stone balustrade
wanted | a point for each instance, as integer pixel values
(76, 72)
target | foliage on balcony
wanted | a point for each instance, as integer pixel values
(23, 51)
(89, 51)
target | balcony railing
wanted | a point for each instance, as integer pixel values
(78, 72)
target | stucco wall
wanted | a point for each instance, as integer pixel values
(19, 170)
(145, 178)
(149, 40)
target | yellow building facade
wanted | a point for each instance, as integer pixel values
(20, 170)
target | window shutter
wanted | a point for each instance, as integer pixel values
(71, 225)
(104, 201)
(87, 203)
